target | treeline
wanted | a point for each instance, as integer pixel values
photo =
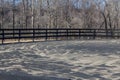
(100, 14)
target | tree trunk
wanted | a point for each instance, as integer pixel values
(32, 10)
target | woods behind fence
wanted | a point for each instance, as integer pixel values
(57, 34)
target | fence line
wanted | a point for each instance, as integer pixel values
(58, 34)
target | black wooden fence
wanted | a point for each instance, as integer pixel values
(57, 34)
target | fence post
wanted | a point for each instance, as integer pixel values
(13, 33)
(79, 33)
(3, 36)
(19, 35)
(56, 34)
(67, 33)
(118, 35)
(46, 34)
(33, 34)
(107, 32)
(112, 34)
(94, 37)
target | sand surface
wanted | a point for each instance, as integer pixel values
(61, 60)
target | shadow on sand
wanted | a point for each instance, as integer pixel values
(28, 77)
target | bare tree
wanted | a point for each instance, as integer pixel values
(32, 10)
(2, 14)
(60, 13)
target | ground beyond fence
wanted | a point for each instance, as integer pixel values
(57, 34)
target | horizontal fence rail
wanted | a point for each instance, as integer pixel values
(57, 34)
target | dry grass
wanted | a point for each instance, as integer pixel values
(22, 40)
